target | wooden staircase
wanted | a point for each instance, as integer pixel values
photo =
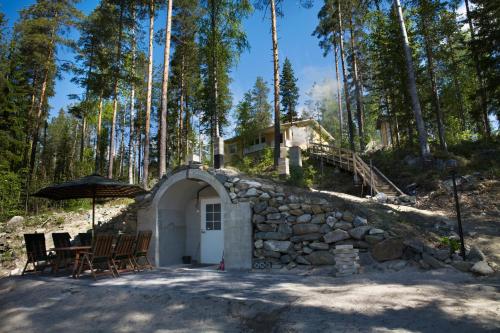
(349, 160)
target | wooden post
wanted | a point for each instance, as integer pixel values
(371, 178)
(354, 164)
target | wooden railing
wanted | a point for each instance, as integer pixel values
(351, 161)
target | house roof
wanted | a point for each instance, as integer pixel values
(299, 123)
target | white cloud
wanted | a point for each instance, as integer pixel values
(316, 84)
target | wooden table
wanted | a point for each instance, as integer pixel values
(78, 251)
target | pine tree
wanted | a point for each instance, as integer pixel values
(289, 92)
(222, 40)
(261, 109)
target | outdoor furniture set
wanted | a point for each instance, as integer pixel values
(102, 255)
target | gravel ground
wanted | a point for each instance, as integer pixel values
(203, 300)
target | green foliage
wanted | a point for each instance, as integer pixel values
(289, 92)
(301, 176)
(10, 193)
(253, 112)
(221, 40)
(258, 164)
(74, 205)
(454, 244)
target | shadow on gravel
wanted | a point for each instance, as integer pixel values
(200, 300)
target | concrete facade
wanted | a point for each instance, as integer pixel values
(173, 215)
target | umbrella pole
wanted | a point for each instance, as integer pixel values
(93, 216)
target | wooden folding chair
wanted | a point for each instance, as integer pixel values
(85, 239)
(124, 253)
(141, 249)
(36, 252)
(101, 254)
(62, 239)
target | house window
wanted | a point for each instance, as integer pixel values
(263, 139)
(256, 141)
(281, 137)
(213, 217)
(232, 148)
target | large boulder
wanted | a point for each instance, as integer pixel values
(277, 246)
(271, 235)
(266, 227)
(260, 206)
(374, 239)
(336, 236)
(475, 254)
(318, 219)
(15, 221)
(482, 268)
(461, 265)
(359, 221)
(319, 246)
(347, 216)
(415, 244)
(302, 261)
(321, 258)
(304, 218)
(306, 237)
(359, 232)
(431, 261)
(302, 229)
(343, 225)
(389, 249)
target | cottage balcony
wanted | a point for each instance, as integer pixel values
(254, 148)
(262, 146)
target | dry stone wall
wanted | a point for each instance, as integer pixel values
(302, 228)
(299, 229)
(292, 229)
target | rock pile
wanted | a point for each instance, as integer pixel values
(346, 260)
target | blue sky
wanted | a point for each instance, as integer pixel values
(295, 42)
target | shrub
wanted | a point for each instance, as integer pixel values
(452, 243)
(10, 193)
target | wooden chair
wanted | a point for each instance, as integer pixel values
(101, 254)
(62, 239)
(141, 249)
(36, 252)
(124, 253)
(85, 239)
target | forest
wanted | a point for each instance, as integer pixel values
(430, 72)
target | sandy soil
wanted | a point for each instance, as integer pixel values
(203, 300)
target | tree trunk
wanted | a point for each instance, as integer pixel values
(162, 170)
(344, 75)
(38, 120)
(115, 96)
(82, 139)
(145, 174)
(412, 86)
(98, 141)
(122, 144)
(358, 89)
(434, 90)
(187, 127)
(214, 128)
(339, 95)
(277, 115)
(181, 112)
(131, 145)
(29, 122)
(482, 90)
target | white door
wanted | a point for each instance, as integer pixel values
(212, 234)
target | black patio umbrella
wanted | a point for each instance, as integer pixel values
(92, 187)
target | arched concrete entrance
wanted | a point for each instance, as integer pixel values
(192, 214)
